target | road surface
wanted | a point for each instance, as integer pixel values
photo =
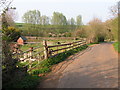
(95, 67)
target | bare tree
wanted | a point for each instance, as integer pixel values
(114, 10)
(10, 17)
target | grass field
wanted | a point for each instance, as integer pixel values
(49, 42)
(27, 46)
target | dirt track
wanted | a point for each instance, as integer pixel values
(95, 67)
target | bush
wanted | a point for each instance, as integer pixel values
(28, 81)
(11, 34)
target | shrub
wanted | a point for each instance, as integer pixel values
(11, 34)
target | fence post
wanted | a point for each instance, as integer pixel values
(30, 55)
(46, 49)
(38, 57)
(84, 40)
(57, 49)
(80, 43)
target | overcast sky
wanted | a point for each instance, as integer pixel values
(70, 8)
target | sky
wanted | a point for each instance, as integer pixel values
(88, 9)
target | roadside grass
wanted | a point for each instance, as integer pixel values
(116, 46)
(97, 43)
(93, 43)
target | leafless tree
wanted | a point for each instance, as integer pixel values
(114, 10)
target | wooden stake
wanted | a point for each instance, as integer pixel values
(46, 54)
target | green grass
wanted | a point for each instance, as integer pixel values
(92, 43)
(116, 46)
(53, 40)
(19, 64)
(27, 46)
(96, 43)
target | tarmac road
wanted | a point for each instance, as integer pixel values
(95, 67)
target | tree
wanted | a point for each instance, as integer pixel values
(8, 62)
(10, 33)
(111, 25)
(32, 17)
(98, 31)
(114, 28)
(81, 33)
(71, 21)
(10, 17)
(45, 20)
(79, 20)
(58, 19)
(114, 10)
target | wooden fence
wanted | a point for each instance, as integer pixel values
(35, 56)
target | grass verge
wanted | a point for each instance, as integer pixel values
(92, 43)
(116, 46)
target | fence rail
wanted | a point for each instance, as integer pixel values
(37, 54)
